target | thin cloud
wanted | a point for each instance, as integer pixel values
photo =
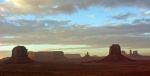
(91, 16)
(54, 7)
(121, 16)
(140, 21)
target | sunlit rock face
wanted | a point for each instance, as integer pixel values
(115, 55)
(19, 56)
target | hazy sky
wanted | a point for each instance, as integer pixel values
(79, 25)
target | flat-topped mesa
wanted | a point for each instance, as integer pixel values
(115, 55)
(47, 55)
(19, 56)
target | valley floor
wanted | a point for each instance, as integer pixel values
(138, 68)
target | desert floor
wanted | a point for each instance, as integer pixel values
(138, 68)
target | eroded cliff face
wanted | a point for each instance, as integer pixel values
(115, 55)
(19, 56)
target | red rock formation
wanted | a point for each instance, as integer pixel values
(46, 55)
(31, 54)
(115, 55)
(135, 54)
(87, 55)
(19, 56)
(19, 52)
(115, 50)
(123, 52)
(130, 52)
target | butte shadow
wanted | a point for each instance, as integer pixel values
(19, 56)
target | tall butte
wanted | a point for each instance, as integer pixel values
(115, 55)
(19, 56)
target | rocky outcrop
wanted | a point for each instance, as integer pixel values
(4, 59)
(115, 55)
(134, 54)
(130, 52)
(47, 55)
(123, 52)
(87, 56)
(19, 52)
(31, 54)
(19, 56)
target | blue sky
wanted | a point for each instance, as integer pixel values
(54, 24)
(92, 16)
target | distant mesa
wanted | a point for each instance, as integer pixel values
(87, 55)
(134, 53)
(46, 55)
(19, 56)
(72, 55)
(115, 55)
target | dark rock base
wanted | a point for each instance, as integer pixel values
(19, 61)
(116, 58)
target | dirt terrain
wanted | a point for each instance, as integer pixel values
(138, 68)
